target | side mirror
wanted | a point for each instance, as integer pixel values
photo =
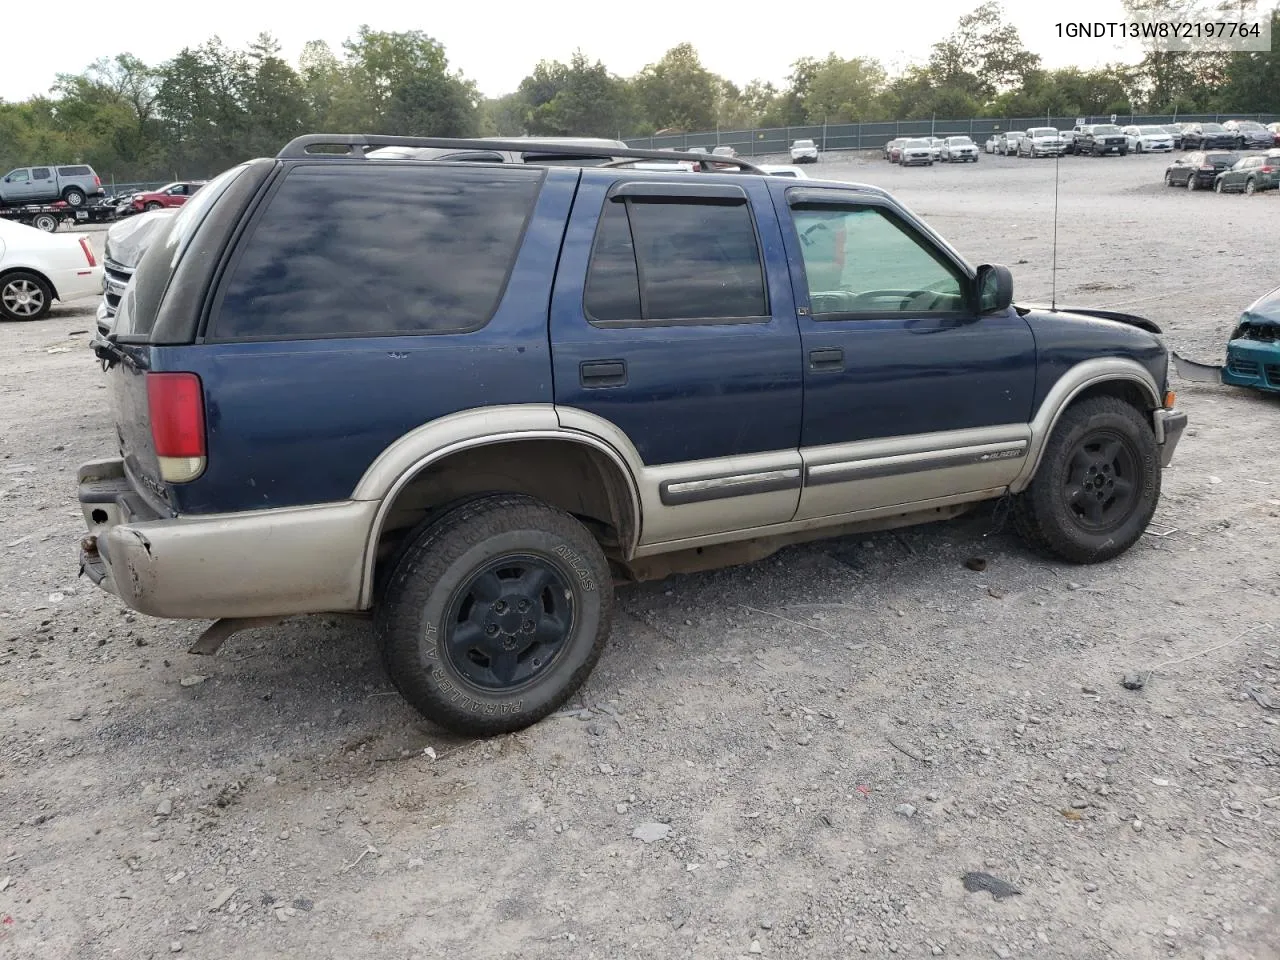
(995, 288)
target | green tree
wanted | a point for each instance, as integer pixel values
(983, 56)
(275, 100)
(678, 92)
(1252, 80)
(200, 102)
(579, 98)
(403, 83)
(841, 91)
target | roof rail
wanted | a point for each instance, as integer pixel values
(346, 146)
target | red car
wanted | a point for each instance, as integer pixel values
(170, 195)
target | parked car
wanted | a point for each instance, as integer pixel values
(504, 435)
(804, 151)
(890, 146)
(784, 170)
(1097, 140)
(935, 147)
(37, 268)
(992, 143)
(1275, 132)
(1250, 135)
(1198, 170)
(1040, 142)
(1148, 139)
(724, 151)
(1248, 175)
(1253, 350)
(1007, 142)
(917, 152)
(1175, 131)
(74, 184)
(1207, 136)
(170, 195)
(895, 150)
(959, 150)
(126, 241)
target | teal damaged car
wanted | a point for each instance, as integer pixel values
(1253, 352)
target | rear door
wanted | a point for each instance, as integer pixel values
(673, 323)
(910, 393)
(44, 188)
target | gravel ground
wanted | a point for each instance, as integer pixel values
(814, 748)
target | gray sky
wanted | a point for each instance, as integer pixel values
(497, 43)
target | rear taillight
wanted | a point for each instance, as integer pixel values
(1266, 169)
(1207, 166)
(97, 180)
(175, 403)
(87, 247)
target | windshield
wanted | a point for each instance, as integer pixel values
(804, 143)
(1248, 125)
(1106, 128)
(1157, 131)
(959, 141)
(1042, 132)
(917, 143)
(1014, 133)
(1218, 158)
(1213, 128)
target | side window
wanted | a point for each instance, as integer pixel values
(862, 262)
(377, 249)
(20, 176)
(40, 173)
(659, 260)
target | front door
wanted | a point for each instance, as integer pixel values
(17, 186)
(911, 393)
(666, 324)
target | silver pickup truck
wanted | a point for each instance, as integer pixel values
(74, 184)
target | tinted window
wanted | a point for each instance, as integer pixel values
(859, 260)
(74, 172)
(377, 249)
(699, 261)
(1212, 128)
(40, 173)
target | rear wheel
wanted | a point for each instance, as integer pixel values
(1250, 188)
(1191, 181)
(1097, 485)
(46, 222)
(1168, 179)
(495, 614)
(74, 196)
(24, 296)
(1217, 185)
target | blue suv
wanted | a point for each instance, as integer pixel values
(468, 396)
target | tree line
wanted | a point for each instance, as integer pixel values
(212, 106)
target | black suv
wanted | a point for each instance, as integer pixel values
(1097, 139)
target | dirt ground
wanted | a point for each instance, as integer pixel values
(829, 739)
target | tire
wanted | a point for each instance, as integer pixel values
(1168, 179)
(24, 296)
(1074, 509)
(1137, 147)
(1250, 188)
(46, 222)
(440, 591)
(1123, 153)
(74, 196)
(1217, 186)
(1191, 182)
(152, 205)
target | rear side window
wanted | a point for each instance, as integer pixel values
(40, 173)
(378, 249)
(74, 172)
(681, 261)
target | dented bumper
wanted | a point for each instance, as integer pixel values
(251, 564)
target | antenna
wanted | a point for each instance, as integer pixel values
(1053, 279)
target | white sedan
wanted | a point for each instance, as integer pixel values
(784, 170)
(804, 151)
(37, 268)
(1147, 139)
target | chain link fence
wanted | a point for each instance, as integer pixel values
(873, 136)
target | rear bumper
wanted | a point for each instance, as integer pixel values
(1169, 425)
(258, 563)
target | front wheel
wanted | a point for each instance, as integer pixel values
(24, 296)
(495, 614)
(1097, 485)
(1191, 181)
(153, 205)
(1217, 186)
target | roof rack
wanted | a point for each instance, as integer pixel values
(340, 146)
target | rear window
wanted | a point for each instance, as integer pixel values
(664, 261)
(377, 249)
(138, 310)
(74, 172)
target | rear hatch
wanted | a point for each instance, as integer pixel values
(159, 414)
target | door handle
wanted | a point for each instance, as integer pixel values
(826, 358)
(603, 373)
